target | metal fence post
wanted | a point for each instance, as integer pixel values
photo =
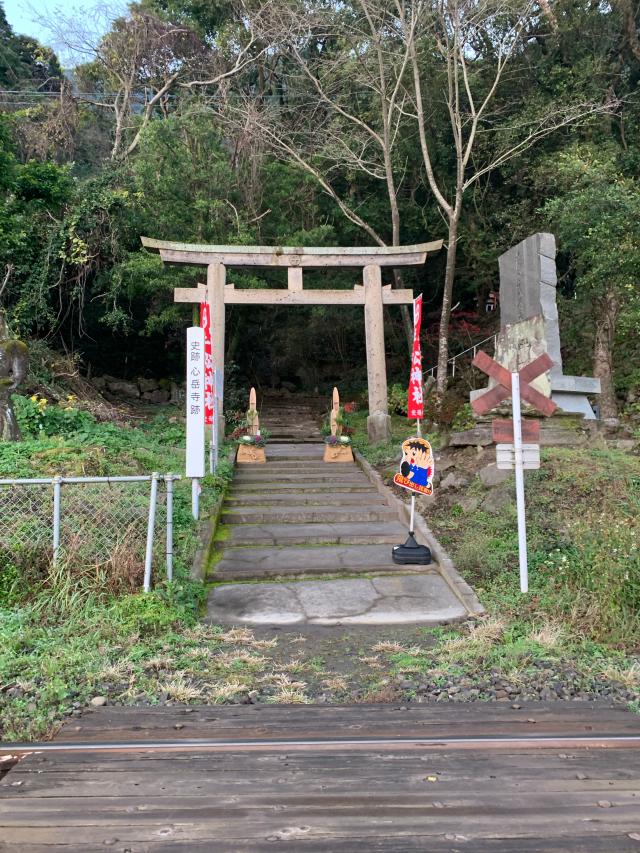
(57, 490)
(148, 557)
(169, 548)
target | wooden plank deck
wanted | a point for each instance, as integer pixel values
(519, 797)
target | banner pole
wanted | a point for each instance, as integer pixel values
(215, 435)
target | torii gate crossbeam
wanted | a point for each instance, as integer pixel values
(371, 294)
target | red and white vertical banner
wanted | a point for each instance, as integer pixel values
(415, 405)
(205, 322)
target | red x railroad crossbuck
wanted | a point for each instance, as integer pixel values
(482, 405)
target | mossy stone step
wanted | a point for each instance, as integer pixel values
(331, 469)
(295, 513)
(313, 487)
(255, 563)
(250, 499)
(260, 474)
(302, 533)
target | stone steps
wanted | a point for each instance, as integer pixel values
(303, 533)
(266, 498)
(293, 465)
(286, 451)
(290, 513)
(296, 439)
(309, 487)
(298, 516)
(326, 533)
(288, 437)
(245, 563)
(353, 477)
(329, 472)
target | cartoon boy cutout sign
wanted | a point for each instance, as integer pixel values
(416, 466)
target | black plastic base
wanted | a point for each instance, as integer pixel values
(411, 553)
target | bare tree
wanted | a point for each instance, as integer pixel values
(346, 82)
(476, 42)
(143, 60)
(329, 96)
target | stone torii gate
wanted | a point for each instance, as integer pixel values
(371, 294)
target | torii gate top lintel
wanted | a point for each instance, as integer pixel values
(291, 256)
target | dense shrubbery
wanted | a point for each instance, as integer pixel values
(37, 417)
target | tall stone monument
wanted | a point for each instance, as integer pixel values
(529, 322)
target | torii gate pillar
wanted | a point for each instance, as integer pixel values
(379, 421)
(216, 279)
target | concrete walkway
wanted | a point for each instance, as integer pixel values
(384, 600)
(296, 519)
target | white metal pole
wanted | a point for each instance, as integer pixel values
(215, 433)
(212, 448)
(148, 557)
(195, 498)
(413, 510)
(519, 468)
(57, 486)
(169, 548)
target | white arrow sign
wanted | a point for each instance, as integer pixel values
(506, 456)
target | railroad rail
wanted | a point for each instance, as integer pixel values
(331, 745)
(559, 777)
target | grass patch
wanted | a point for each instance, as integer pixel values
(583, 525)
(579, 621)
(74, 630)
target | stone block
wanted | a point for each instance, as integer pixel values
(548, 270)
(378, 427)
(453, 481)
(156, 396)
(519, 271)
(469, 503)
(122, 388)
(547, 244)
(491, 475)
(147, 385)
(576, 384)
(478, 437)
(575, 403)
(522, 342)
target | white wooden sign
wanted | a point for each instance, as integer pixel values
(195, 402)
(506, 456)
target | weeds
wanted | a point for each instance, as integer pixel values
(629, 676)
(584, 554)
(549, 635)
(180, 690)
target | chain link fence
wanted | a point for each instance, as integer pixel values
(123, 525)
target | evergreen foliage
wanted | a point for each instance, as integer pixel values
(72, 207)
